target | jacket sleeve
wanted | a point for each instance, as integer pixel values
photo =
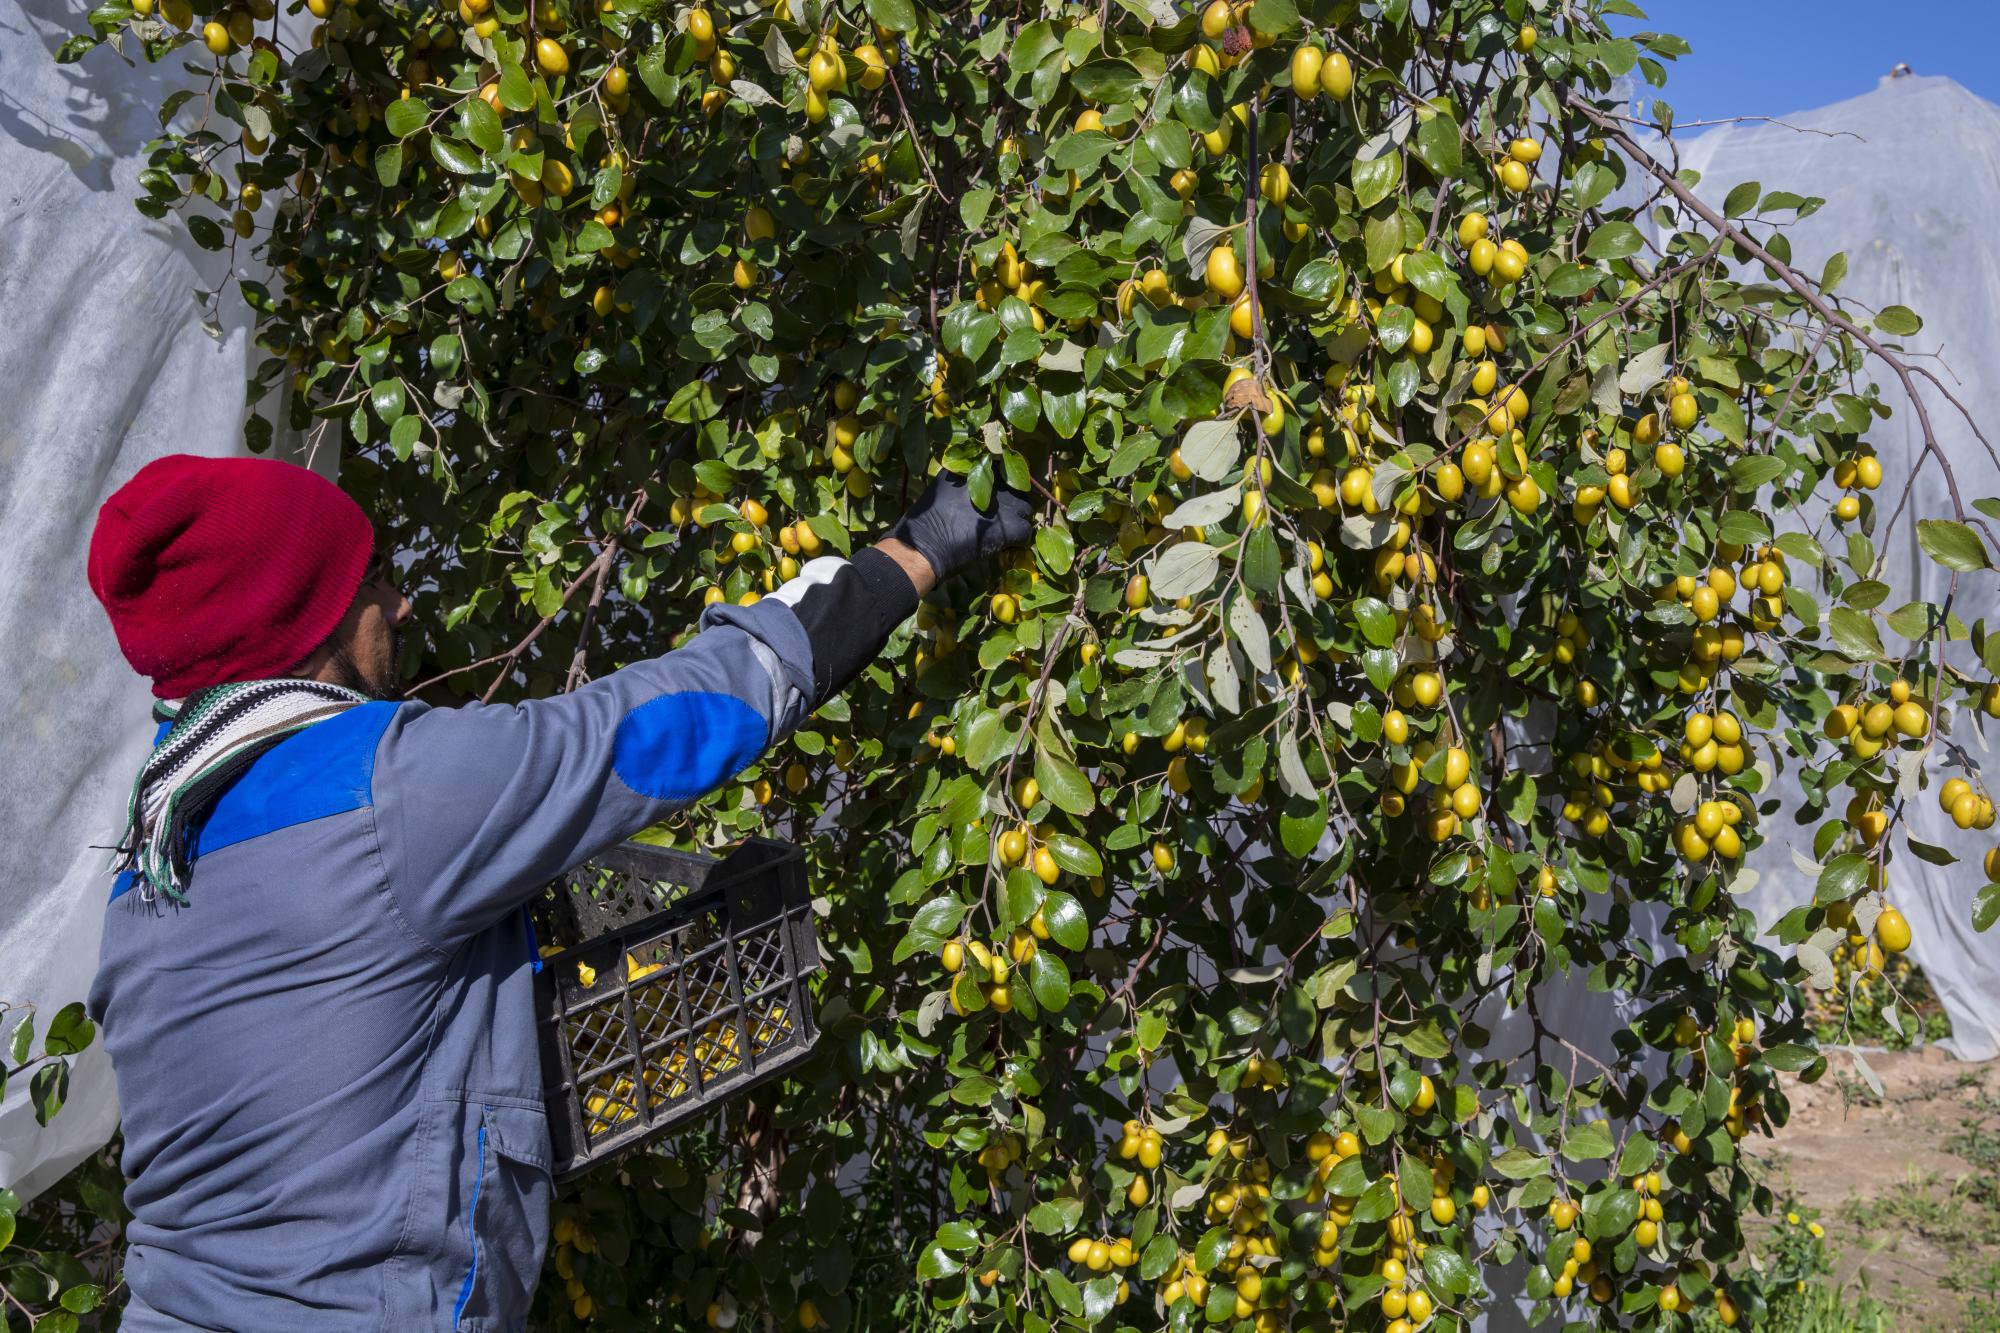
(478, 807)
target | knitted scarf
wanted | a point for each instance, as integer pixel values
(213, 736)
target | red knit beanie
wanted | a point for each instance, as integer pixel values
(224, 569)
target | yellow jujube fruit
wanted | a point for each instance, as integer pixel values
(1306, 64)
(1336, 77)
(550, 57)
(1223, 272)
(1892, 931)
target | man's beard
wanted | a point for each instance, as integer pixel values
(383, 685)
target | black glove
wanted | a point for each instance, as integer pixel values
(944, 527)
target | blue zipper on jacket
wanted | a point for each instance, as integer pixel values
(471, 1225)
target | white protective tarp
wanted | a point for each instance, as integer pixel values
(1911, 177)
(106, 367)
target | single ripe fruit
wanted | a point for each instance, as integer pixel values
(1046, 868)
(1336, 77)
(215, 37)
(1683, 411)
(1892, 931)
(550, 57)
(1012, 846)
(1306, 64)
(1223, 272)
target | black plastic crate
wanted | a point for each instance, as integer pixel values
(678, 982)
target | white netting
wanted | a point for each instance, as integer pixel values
(1911, 176)
(106, 368)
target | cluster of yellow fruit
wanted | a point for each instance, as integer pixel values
(235, 28)
(1102, 1254)
(1598, 770)
(1710, 829)
(1142, 1144)
(1454, 798)
(1001, 1153)
(1183, 1278)
(572, 1237)
(1857, 968)
(1870, 725)
(227, 30)
(997, 962)
(1405, 1306)
(1011, 275)
(1862, 472)
(1713, 742)
(1244, 1205)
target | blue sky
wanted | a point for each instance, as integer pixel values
(1770, 57)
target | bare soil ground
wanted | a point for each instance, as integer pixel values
(1906, 1183)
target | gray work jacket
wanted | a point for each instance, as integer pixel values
(327, 1059)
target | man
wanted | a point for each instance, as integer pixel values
(315, 978)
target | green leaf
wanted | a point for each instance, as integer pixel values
(1518, 1163)
(1056, 548)
(1374, 178)
(1986, 907)
(1445, 1267)
(1614, 240)
(1841, 879)
(1376, 621)
(1610, 1211)
(1438, 145)
(1062, 783)
(1588, 1141)
(958, 1236)
(1106, 82)
(69, 1032)
(388, 400)
(481, 125)
(454, 156)
(1067, 924)
(1067, 1298)
(1184, 569)
(1898, 320)
(405, 116)
(1274, 18)
(1854, 634)
(895, 15)
(1743, 527)
(1639, 1154)
(1074, 854)
(1742, 199)
(1048, 977)
(936, 1262)
(1953, 545)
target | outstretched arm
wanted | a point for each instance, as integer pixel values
(478, 807)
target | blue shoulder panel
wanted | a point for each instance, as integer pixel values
(680, 747)
(327, 769)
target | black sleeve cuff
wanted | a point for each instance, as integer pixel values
(849, 617)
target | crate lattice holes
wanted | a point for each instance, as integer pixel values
(670, 982)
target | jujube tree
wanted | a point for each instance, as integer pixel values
(1451, 528)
